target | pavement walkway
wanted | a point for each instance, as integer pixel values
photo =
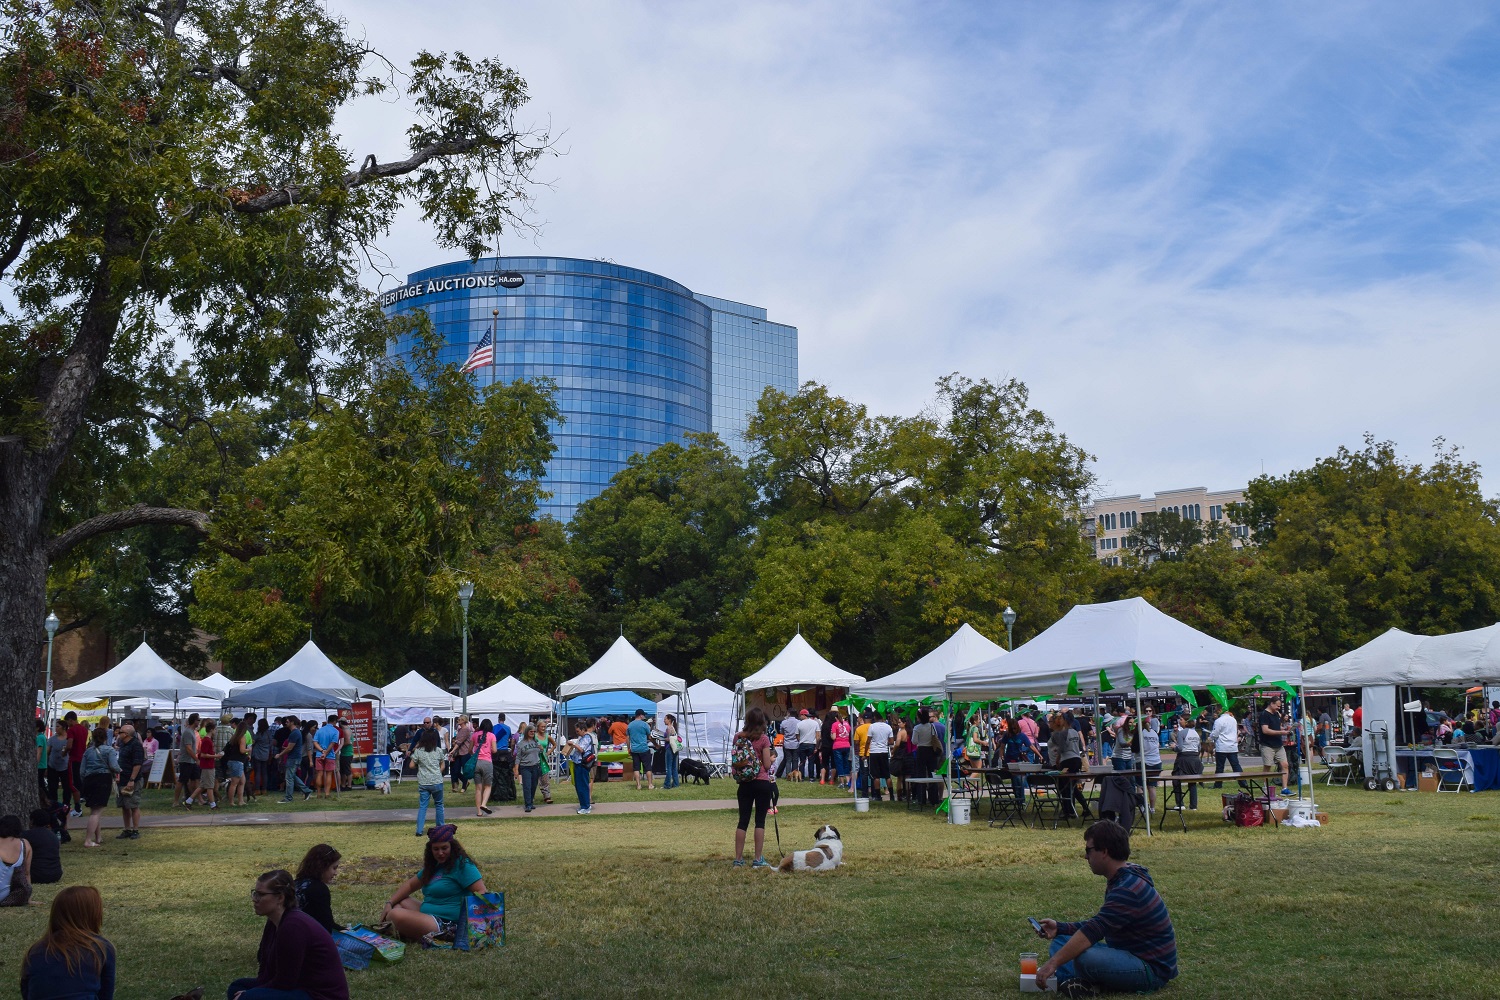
(504, 811)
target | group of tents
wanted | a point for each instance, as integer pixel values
(1125, 647)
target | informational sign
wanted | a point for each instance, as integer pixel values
(158, 767)
(362, 726)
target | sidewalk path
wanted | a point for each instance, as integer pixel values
(504, 811)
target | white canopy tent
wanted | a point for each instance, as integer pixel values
(710, 724)
(203, 706)
(1115, 640)
(1397, 659)
(142, 674)
(798, 665)
(924, 678)
(1119, 646)
(312, 667)
(623, 668)
(509, 695)
(411, 697)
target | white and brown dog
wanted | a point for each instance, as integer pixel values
(826, 854)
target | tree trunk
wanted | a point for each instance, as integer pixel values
(23, 587)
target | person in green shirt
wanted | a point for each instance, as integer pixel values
(448, 877)
(41, 760)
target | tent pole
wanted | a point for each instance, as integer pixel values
(1098, 736)
(1306, 745)
(1140, 740)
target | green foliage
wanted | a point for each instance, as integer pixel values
(1163, 534)
(1411, 546)
(663, 549)
(362, 525)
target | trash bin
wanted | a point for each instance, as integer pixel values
(377, 770)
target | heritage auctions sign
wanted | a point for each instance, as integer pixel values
(491, 279)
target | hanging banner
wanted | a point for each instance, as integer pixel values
(362, 728)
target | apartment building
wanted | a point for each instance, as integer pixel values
(1107, 521)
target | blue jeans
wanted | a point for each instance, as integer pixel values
(425, 792)
(673, 779)
(581, 785)
(292, 781)
(841, 761)
(253, 992)
(531, 775)
(1108, 969)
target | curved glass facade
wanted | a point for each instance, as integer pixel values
(631, 354)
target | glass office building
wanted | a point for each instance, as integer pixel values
(636, 357)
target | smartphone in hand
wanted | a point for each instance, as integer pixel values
(1034, 925)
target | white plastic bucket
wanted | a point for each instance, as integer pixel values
(1300, 807)
(861, 805)
(1306, 775)
(958, 811)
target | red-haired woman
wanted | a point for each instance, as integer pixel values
(71, 959)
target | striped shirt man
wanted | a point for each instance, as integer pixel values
(1133, 919)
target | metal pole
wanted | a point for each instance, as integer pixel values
(1140, 739)
(463, 680)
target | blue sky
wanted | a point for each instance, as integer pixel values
(1207, 236)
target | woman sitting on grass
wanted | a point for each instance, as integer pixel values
(298, 959)
(448, 877)
(71, 959)
(15, 863)
(320, 866)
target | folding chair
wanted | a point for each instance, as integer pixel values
(1005, 805)
(1450, 769)
(1340, 765)
(1046, 801)
(397, 760)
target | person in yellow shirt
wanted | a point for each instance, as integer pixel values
(862, 753)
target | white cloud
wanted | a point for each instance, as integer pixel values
(1205, 236)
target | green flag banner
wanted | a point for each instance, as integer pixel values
(1073, 686)
(1286, 686)
(1140, 675)
(942, 809)
(1253, 681)
(1187, 695)
(1104, 684)
(1220, 695)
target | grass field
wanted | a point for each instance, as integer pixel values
(1397, 897)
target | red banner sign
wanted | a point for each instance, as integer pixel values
(362, 726)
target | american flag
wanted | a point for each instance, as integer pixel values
(484, 352)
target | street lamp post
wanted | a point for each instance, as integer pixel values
(465, 594)
(51, 624)
(1009, 618)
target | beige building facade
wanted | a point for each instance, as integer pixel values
(1107, 521)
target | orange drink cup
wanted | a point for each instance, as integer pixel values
(1028, 963)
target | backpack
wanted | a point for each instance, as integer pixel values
(591, 755)
(744, 759)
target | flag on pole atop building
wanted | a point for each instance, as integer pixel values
(484, 352)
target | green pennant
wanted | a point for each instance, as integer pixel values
(1253, 681)
(942, 809)
(1187, 696)
(1140, 675)
(1220, 695)
(942, 770)
(1073, 686)
(1286, 686)
(1104, 684)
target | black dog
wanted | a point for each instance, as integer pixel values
(694, 769)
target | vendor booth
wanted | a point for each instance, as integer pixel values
(924, 678)
(707, 730)
(510, 696)
(285, 697)
(626, 675)
(411, 697)
(1389, 669)
(790, 682)
(144, 675)
(1120, 646)
(311, 667)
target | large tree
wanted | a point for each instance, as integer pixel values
(175, 188)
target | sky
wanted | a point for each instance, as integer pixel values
(1213, 239)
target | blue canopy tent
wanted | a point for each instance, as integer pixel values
(606, 703)
(282, 694)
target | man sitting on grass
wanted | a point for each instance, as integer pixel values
(1128, 946)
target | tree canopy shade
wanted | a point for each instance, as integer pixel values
(174, 187)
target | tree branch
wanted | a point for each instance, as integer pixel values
(249, 203)
(17, 242)
(119, 520)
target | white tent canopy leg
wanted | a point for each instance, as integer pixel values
(1140, 739)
